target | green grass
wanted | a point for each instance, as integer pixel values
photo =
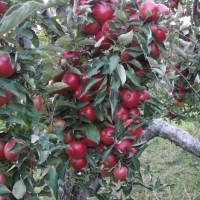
(179, 170)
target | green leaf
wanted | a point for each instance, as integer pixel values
(113, 63)
(126, 38)
(100, 95)
(92, 132)
(99, 113)
(4, 189)
(122, 73)
(64, 40)
(35, 39)
(19, 189)
(51, 47)
(51, 179)
(16, 14)
(160, 72)
(53, 24)
(88, 84)
(35, 117)
(29, 80)
(120, 15)
(86, 42)
(91, 160)
(119, 128)
(106, 153)
(133, 78)
(147, 169)
(179, 12)
(135, 63)
(52, 159)
(62, 104)
(12, 86)
(58, 132)
(43, 155)
(127, 189)
(143, 185)
(113, 102)
(16, 120)
(61, 170)
(3, 111)
(17, 147)
(24, 32)
(58, 147)
(56, 86)
(97, 63)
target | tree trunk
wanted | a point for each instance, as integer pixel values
(179, 137)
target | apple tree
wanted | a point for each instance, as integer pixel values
(81, 83)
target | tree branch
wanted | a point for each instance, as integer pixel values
(179, 137)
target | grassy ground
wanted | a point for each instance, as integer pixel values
(179, 170)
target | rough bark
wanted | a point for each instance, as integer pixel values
(179, 137)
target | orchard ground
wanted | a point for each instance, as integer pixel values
(177, 169)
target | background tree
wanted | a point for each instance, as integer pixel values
(79, 82)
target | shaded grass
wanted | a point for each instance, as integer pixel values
(179, 170)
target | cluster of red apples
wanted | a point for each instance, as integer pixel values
(181, 87)
(128, 112)
(6, 71)
(130, 101)
(103, 15)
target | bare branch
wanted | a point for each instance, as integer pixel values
(179, 137)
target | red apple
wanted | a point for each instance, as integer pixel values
(88, 111)
(104, 172)
(61, 91)
(106, 30)
(110, 161)
(144, 94)
(3, 8)
(136, 132)
(13, 157)
(154, 49)
(67, 138)
(163, 9)
(125, 56)
(154, 29)
(72, 56)
(105, 43)
(78, 163)
(85, 97)
(134, 113)
(160, 36)
(77, 149)
(121, 113)
(177, 103)
(120, 172)
(37, 102)
(130, 98)
(181, 85)
(102, 11)
(123, 145)
(181, 94)
(6, 68)
(172, 4)
(97, 85)
(149, 11)
(2, 146)
(72, 80)
(105, 136)
(91, 29)
(5, 99)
